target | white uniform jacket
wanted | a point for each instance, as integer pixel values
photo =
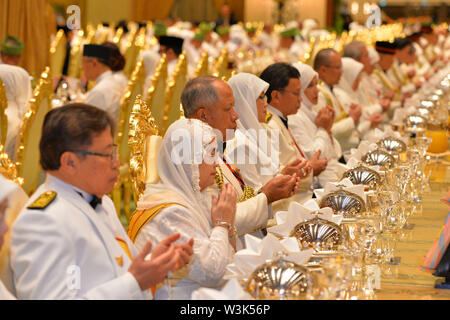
(251, 214)
(344, 129)
(106, 94)
(287, 153)
(68, 250)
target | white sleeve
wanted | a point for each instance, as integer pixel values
(96, 99)
(343, 128)
(310, 142)
(252, 214)
(41, 256)
(212, 252)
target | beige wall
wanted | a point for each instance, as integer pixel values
(98, 11)
(260, 10)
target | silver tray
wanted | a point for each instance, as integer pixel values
(379, 157)
(278, 280)
(344, 203)
(319, 234)
(363, 175)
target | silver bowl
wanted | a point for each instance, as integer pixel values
(379, 157)
(425, 112)
(415, 123)
(363, 175)
(278, 280)
(391, 144)
(319, 234)
(344, 203)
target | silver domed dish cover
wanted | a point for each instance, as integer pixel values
(427, 104)
(319, 234)
(425, 112)
(344, 203)
(379, 157)
(278, 280)
(363, 175)
(392, 144)
(415, 123)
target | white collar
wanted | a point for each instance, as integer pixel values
(52, 179)
(104, 75)
(274, 110)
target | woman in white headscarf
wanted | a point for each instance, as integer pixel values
(313, 130)
(151, 60)
(18, 94)
(347, 93)
(12, 197)
(252, 145)
(179, 203)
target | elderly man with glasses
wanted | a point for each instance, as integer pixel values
(68, 242)
(328, 65)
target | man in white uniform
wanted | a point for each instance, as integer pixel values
(211, 100)
(68, 242)
(107, 91)
(328, 65)
(11, 51)
(172, 47)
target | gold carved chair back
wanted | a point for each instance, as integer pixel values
(202, 65)
(134, 89)
(76, 55)
(175, 86)
(144, 142)
(3, 117)
(134, 46)
(27, 161)
(57, 53)
(156, 93)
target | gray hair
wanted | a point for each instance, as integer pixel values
(354, 50)
(323, 58)
(199, 93)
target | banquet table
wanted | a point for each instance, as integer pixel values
(407, 280)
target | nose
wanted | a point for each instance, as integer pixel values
(235, 115)
(116, 162)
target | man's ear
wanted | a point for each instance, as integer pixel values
(68, 162)
(201, 114)
(275, 96)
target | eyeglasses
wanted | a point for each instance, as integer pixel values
(263, 97)
(112, 155)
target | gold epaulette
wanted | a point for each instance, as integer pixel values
(268, 117)
(43, 201)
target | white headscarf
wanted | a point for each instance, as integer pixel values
(351, 70)
(186, 143)
(374, 56)
(151, 60)
(246, 89)
(307, 74)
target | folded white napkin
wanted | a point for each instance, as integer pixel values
(259, 251)
(297, 213)
(386, 133)
(231, 291)
(357, 189)
(363, 148)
